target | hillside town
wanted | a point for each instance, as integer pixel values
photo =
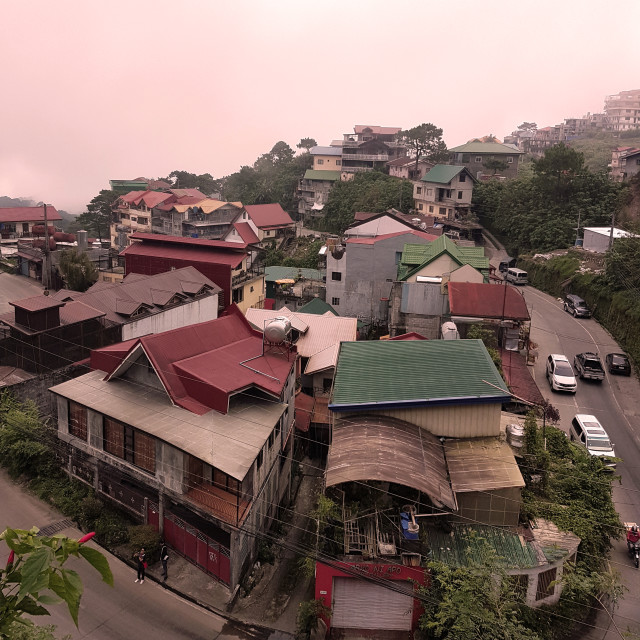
(343, 411)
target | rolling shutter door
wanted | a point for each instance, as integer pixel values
(359, 604)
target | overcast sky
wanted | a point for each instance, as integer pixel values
(120, 89)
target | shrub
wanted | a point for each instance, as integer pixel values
(111, 529)
(309, 611)
(144, 535)
(266, 553)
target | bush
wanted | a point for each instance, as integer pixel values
(111, 529)
(144, 535)
(309, 611)
(266, 553)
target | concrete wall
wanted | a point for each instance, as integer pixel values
(466, 273)
(253, 294)
(596, 242)
(327, 163)
(199, 310)
(441, 265)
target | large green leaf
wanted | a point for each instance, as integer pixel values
(30, 606)
(98, 562)
(73, 589)
(35, 572)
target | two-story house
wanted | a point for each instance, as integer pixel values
(370, 147)
(191, 430)
(407, 168)
(445, 191)
(18, 222)
(475, 155)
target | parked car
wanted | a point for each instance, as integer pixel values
(560, 374)
(589, 366)
(577, 306)
(587, 431)
(618, 363)
(516, 276)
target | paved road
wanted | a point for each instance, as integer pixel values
(616, 404)
(13, 287)
(128, 610)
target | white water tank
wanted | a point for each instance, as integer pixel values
(450, 331)
(277, 330)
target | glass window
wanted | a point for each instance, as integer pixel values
(320, 160)
(336, 275)
(335, 301)
(459, 195)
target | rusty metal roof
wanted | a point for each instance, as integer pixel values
(481, 464)
(480, 300)
(388, 450)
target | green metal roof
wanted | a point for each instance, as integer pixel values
(315, 174)
(442, 173)
(416, 256)
(317, 307)
(271, 274)
(385, 374)
(465, 545)
(486, 147)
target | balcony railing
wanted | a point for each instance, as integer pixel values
(224, 505)
(375, 157)
(244, 276)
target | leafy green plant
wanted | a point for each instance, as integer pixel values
(144, 535)
(309, 613)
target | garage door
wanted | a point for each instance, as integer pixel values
(359, 604)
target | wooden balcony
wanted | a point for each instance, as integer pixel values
(221, 504)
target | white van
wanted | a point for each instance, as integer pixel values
(587, 431)
(516, 276)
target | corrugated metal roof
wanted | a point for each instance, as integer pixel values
(315, 174)
(388, 450)
(322, 360)
(37, 303)
(386, 236)
(159, 239)
(325, 151)
(228, 442)
(245, 231)
(28, 214)
(442, 173)
(323, 331)
(481, 464)
(194, 253)
(268, 215)
(275, 272)
(464, 546)
(415, 373)
(478, 300)
(318, 307)
(486, 147)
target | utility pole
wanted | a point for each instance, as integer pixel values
(613, 222)
(46, 270)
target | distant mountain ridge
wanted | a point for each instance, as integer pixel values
(6, 201)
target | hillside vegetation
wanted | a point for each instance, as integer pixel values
(597, 147)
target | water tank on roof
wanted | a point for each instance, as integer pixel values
(450, 331)
(277, 330)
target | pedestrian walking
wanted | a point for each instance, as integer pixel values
(142, 564)
(164, 556)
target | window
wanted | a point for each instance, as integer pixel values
(398, 256)
(251, 289)
(510, 159)
(429, 192)
(259, 460)
(420, 206)
(418, 190)
(459, 195)
(338, 163)
(77, 420)
(546, 587)
(113, 438)
(462, 177)
(326, 385)
(129, 444)
(143, 220)
(144, 451)
(272, 437)
(335, 301)
(336, 275)
(443, 211)
(430, 209)
(222, 481)
(478, 159)
(320, 161)
(267, 233)
(238, 295)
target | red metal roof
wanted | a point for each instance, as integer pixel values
(476, 300)
(131, 196)
(413, 232)
(201, 365)
(154, 198)
(412, 335)
(176, 240)
(268, 215)
(363, 215)
(28, 214)
(37, 303)
(246, 232)
(518, 376)
(195, 253)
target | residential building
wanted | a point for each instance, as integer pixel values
(293, 286)
(445, 191)
(18, 222)
(317, 339)
(370, 225)
(370, 147)
(622, 111)
(179, 431)
(599, 239)
(132, 212)
(408, 169)
(361, 272)
(270, 222)
(313, 192)
(474, 156)
(326, 158)
(230, 265)
(49, 332)
(199, 218)
(625, 163)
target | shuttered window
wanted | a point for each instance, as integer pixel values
(78, 420)
(113, 437)
(144, 451)
(545, 588)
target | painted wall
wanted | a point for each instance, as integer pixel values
(466, 273)
(253, 292)
(200, 310)
(395, 572)
(327, 163)
(441, 265)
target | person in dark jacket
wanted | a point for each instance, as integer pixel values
(140, 557)
(164, 556)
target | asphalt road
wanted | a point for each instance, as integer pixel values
(616, 404)
(127, 610)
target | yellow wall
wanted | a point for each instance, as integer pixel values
(253, 298)
(329, 163)
(441, 265)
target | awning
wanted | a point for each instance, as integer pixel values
(286, 281)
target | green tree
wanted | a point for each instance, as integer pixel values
(204, 182)
(425, 141)
(35, 576)
(96, 220)
(78, 272)
(495, 165)
(307, 143)
(371, 191)
(528, 126)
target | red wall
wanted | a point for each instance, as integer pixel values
(151, 265)
(326, 574)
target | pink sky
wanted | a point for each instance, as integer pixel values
(100, 90)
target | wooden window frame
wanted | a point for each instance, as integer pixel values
(78, 427)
